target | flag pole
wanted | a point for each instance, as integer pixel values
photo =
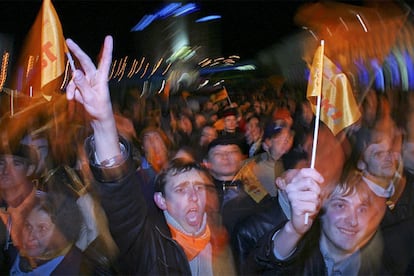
(71, 62)
(316, 130)
(228, 98)
(12, 103)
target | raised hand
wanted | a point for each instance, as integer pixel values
(304, 195)
(89, 86)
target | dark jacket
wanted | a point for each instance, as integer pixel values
(307, 258)
(70, 265)
(249, 231)
(398, 231)
(145, 242)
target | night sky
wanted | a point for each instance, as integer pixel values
(246, 27)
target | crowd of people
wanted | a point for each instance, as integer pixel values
(214, 190)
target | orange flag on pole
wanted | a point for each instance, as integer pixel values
(42, 60)
(339, 108)
(220, 96)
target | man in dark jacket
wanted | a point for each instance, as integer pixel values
(341, 240)
(383, 168)
(179, 240)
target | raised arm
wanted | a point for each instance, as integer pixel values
(303, 192)
(89, 86)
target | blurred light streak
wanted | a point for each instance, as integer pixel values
(156, 66)
(363, 75)
(379, 76)
(124, 64)
(145, 70)
(395, 74)
(362, 23)
(168, 9)
(132, 70)
(118, 70)
(166, 69)
(204, 83)
(247, 67)
(140, 65)
(402, 68)
(162, 87)
(186, 9)
(208, 18)
(111, 75)
(4, 67)
(144, 22)
(343, 23)
(144, 89)
(410, 70)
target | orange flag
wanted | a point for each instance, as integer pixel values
(339, 108)
(43, 59)
(315, 78)
(220, 96)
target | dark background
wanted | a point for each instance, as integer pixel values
(246, 26)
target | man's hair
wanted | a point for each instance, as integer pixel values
(352, 183)
(223, 140)
(261, 124)
(15, 147)
(60, 201)
(159, 131)
(63, 212)
(178, 166)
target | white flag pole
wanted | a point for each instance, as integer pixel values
(12, 103)
(315, 132)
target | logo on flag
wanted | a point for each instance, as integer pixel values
(43, 57)
(339, 108)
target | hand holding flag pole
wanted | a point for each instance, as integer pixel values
(337, 108)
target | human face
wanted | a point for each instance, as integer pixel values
(257, 107)
(155, 149)
(208, 134)
(380, 160)
(349, 222)
(230, 123)
(253, 132)
(40, 235)
(224, 161)
(281, 143)
(200, 120)
(185, 124)
(14, 171)
(185, 198)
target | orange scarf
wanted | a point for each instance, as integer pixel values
(192, 245)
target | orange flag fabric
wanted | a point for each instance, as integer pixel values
(315, 78)
(220, 96)
(339, 108)
(43, 57)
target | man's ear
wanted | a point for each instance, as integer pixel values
(206, 164)
(361, 165)
(160, 201)
(267, 143)
(30, 170)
